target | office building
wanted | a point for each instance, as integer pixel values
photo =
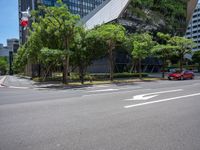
(193, 30)
(13, 44)
(80, 7)
(9, 50)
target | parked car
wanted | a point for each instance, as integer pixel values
(178, 75)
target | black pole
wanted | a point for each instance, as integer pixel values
(10, 62)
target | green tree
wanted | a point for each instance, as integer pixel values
(81, 55)
(196, 58)
(20, 59)
(163, 50)
(87, 48)
(29, 52)
(58, 28)
(3, 65)
(50, 58)
(141, 48)
(112, 34)
(183, 46)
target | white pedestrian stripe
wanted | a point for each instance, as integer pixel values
(151, 95)
(162, 100)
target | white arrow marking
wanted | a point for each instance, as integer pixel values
(152, 95)
(162, 100)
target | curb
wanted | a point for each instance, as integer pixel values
(2, 81)
(25, 77)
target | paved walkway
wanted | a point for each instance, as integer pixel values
(25, 83)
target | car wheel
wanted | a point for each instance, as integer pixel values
(181, 78)
(192, 77)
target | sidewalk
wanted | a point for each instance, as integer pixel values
(27, 83)
(22, 82)
(2, 80)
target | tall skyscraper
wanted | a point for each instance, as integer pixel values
(193, 30)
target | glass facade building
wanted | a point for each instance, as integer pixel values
(193, 30)
(80, 7)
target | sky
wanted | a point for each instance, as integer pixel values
(9, 25)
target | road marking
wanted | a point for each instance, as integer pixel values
(127, 91)
(104, 90)
(15, 87)
(152, 95)
(2, 80)
(162, 100)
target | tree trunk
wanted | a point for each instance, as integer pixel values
(81, 73)
(111, 63)
(140, 68)
(39, 70)
(132, 67)
(163, 68)
(46, 73)
(181, 63)
(65, 69)
(66, 61)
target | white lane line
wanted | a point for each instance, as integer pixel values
(162, 100)
(104, 90)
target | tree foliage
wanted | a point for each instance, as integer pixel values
(3, 65)
(183, 46)
(141, 47)
(111, 35)
(57, 28)
(171, 12)
(196, 58)
(50, 58)
(163, 50)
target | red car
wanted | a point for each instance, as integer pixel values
(181, 75)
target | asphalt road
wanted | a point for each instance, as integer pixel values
(161, 115)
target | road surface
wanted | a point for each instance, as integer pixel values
(160, 115)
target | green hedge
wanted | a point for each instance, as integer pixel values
(117, 75)
(95, 76)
